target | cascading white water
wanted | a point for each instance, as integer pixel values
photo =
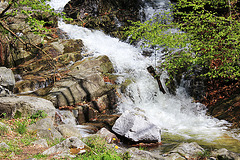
(174, 114)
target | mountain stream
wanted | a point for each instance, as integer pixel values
(180, 118)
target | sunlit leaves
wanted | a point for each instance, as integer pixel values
(213, 39)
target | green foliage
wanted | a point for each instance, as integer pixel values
(55, 141)
(3, 115)
(39, 114)
(204, 155)
(208, 36)
(40, 156)
(3, 130)
(18, 114)
(21, 126)
(99, 150)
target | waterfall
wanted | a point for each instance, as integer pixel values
(177, 115)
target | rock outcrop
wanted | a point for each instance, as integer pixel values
(84, 82)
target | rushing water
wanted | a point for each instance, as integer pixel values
(176, 115)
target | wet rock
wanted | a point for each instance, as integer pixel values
(31, 83)
(4, 91)
(109, 136)
(68, 148)
(66, 117)
(44, 128)
(108, 119)
(102, 103)
(24, 106)
(187, 150)
(41, 143)
(87, 130)
(81, 116)
(68, 130)
(7, 79)
(107, 102)
(135, 126)
(90, 113)
(225, 154)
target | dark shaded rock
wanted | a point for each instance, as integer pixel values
(109, 120)
(81, 116)
(194, 83)
(107, 15)
(227, 109)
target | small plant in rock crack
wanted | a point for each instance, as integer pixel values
(39, 114)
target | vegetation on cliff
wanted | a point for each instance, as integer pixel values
(207, 37)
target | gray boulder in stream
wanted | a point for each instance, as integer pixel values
(135, 126)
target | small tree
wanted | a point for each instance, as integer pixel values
(207, 37)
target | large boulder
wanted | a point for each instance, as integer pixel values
(25, 106)
(135, 126)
